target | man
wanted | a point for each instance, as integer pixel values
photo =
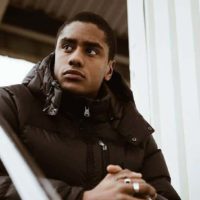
(78, 120)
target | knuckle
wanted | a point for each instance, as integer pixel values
(119, 196)
(125, 170)
(121, 187)
(150, 190)
(153, 190)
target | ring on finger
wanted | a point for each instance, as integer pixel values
(136, 187)
(127, 180)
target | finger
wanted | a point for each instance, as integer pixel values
(126, 197)
(113, 169)
(132, 180)
(146, 189)
(143, 191)
(125, 173)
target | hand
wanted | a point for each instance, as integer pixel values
(123, 173)
(145, 190)
(112, 187)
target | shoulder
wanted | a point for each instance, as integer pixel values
(14, 98)
(16, 92)
(133, 126)
(14, 89)
(7, 95)
(16, 103)
(8, 108)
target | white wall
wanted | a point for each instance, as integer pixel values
(164, 39)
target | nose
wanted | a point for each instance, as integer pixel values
(76, 58)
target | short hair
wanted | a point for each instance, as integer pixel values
(93, 18)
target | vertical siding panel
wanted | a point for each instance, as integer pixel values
(165, 89)
(195, 14)
(181, 148)
(152, 67)
(189, 90)
(138, 56)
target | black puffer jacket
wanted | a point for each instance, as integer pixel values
(73, 139)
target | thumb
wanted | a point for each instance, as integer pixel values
(113, 169)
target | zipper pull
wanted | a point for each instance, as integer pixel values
(103, 145)
(87, 112)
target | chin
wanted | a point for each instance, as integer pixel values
(73, 89)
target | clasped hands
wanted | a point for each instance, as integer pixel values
(121, 184)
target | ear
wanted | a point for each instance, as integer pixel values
(109, 70)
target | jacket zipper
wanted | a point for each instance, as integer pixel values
(105, 157)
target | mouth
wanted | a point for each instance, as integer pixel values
(74, 74)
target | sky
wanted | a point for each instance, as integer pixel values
(13, 71)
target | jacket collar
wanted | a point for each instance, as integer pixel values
(41, 82)
(80, 107)
(126, 119)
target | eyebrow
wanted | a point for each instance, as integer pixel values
(85, 43)
(67, 40)
(92, 44)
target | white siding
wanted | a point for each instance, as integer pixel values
(165, 78)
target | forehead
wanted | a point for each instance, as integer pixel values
(83, 31)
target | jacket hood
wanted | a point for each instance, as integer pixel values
(41, 82)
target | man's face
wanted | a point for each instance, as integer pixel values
(81, 59)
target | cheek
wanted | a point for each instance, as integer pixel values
(98, 75)
(57, 68)
(60, 62)
(55, 71)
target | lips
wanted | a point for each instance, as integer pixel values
(74, 74)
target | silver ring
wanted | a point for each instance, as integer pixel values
(127, 180)
(136, 187)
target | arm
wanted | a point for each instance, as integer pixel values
(66, 192)
(9, 121)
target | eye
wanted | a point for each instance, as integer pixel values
(68, 47)
(91, 51)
